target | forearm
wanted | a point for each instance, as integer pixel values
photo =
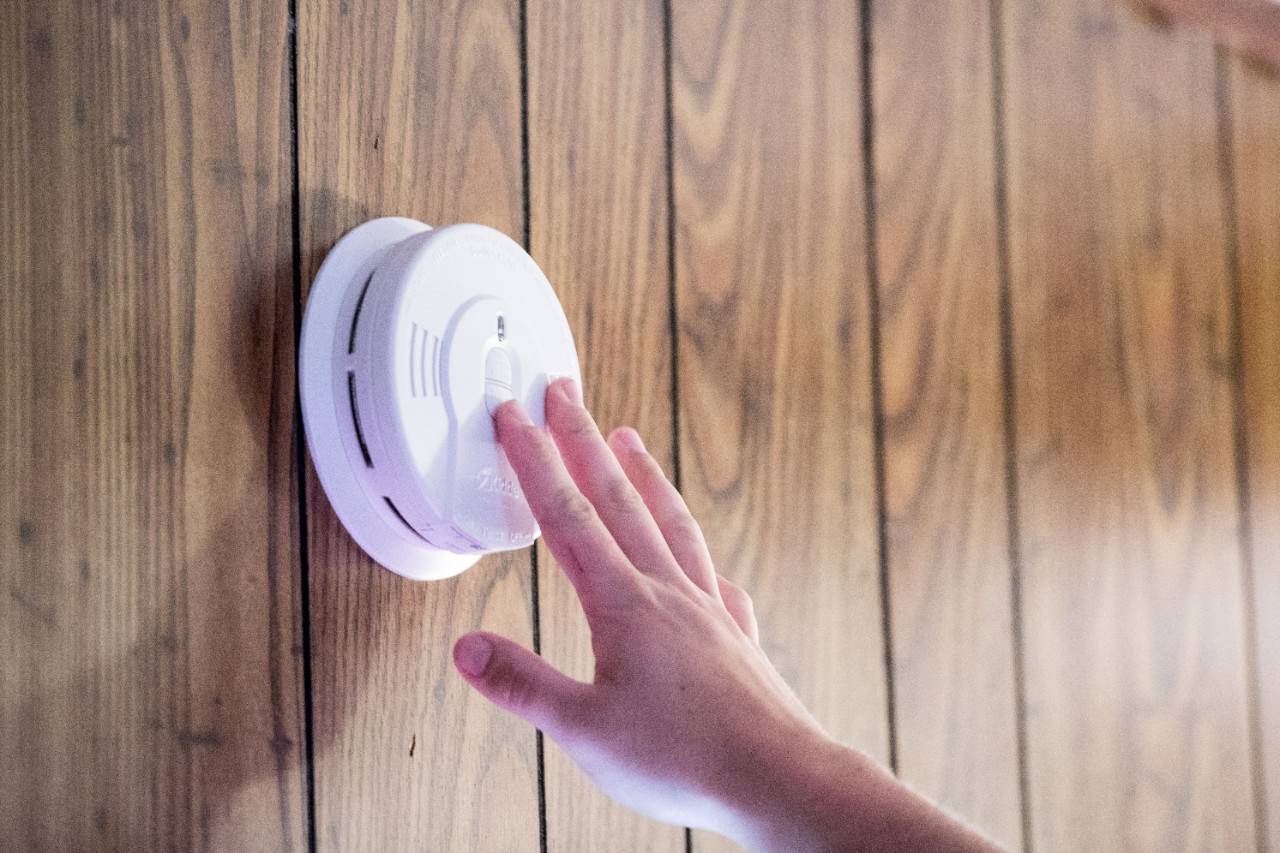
(814, 794)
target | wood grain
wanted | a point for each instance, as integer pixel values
(413, 112)
(943, 409)
(774, 358)
(598, 198)
(1254, 111)
(1135, 675)
(150, 689)
(151, 693)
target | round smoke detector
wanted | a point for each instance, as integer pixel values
(412, 337)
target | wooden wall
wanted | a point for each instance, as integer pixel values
(955, 320)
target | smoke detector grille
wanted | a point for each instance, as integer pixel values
(424, 382)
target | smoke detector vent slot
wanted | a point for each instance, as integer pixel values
(396, 511)
(355, 418)
(355, 318)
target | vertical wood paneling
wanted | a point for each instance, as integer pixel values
(151, 692)
(413, 111)
(1254, 111)
(1135, 675)
(776, 438)
(943, 409)
(150, 687)
(598, 199)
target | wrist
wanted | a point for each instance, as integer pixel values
(808, 792)
(804, 792)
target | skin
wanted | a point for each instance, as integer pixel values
(686, 721)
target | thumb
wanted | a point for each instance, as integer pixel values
(514, 678)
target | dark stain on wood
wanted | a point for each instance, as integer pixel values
(42, 613)
(192, 738)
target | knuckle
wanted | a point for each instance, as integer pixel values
(514, 693)
(572, 509)
(621, 498)
(685, 529)
(581, 427)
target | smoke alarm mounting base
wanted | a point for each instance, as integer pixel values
(412, 337)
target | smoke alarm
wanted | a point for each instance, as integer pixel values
(412, 337)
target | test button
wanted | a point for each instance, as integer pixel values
(499, 385)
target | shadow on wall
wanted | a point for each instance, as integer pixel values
(162, 702)
(382, 667)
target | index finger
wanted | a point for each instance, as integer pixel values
(578, 539)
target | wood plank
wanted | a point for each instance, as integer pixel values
(150, 690)
(955, 696)
(776, 438)
(1255, 121)
(415, 112)
(598, 192)
(1134, 642)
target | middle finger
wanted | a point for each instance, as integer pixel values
(596, 471)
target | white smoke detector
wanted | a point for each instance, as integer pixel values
(412, 337)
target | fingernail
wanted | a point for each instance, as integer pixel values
(471, 654)
(511, 410)
(568, 389)
(631, 439)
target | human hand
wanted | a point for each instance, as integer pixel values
(686, 720)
